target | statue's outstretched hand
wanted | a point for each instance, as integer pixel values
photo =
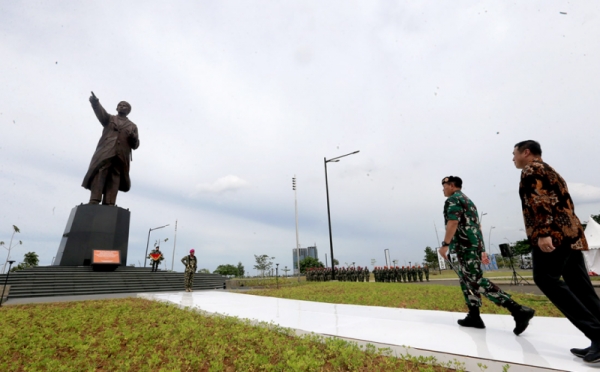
(93, 98)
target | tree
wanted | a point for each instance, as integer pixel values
(240, 269)
(30, 259)
(521, 247)
(336, 262)
(431, 258)
(226, 270)
(204, 271)
(10, 245)
(308, 263)
(263, 263)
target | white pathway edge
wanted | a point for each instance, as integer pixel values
(543, 347)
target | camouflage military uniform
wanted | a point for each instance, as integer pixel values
(467, 243)
(190, 263)
(420, 273)
(154, 262)
(426, 271)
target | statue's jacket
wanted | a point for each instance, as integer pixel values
(119, 137)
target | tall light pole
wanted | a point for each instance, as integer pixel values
(490, 238)
(175, 244)
(481, 217)
(325, 161)
(148, 241)
(297, 238)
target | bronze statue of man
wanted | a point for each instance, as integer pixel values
(109, 169)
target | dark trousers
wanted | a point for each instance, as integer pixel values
(154, 265)
(105, 184)
(575, 297)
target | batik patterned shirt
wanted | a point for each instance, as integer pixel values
(548, 209)
(459, 207)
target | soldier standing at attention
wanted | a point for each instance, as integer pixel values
(420, 272)
(426, 271)
(191, 264)
(463, 237)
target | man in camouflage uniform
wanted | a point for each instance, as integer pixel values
(367, 274)
(463, 237)
(156, 262)
(426, 271)
(191, 264)
(420, 273)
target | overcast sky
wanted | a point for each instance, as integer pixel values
(234, 98)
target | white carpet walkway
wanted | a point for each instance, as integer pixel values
(543, 346)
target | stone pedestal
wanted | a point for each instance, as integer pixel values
(93, 226)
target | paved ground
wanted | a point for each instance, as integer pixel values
(544, 346)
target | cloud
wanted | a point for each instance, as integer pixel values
(227, 183)
(582, 193)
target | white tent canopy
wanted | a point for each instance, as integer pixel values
(592, 235)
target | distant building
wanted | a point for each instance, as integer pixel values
(304, 252)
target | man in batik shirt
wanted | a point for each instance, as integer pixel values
(557, 238)
(463, 237)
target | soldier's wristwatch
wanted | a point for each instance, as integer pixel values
(444, 244)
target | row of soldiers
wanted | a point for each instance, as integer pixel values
(400, 274)
(351, 274)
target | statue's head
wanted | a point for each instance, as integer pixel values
(123, 108)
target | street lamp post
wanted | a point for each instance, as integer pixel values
(490, 238)
(325, 161)
(297, 239)
(6, 281)
(148, 241)
(277, 275)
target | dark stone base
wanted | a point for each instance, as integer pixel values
(104, 267)
(91, 227)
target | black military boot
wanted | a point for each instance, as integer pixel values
(521, 314)
(473, 319)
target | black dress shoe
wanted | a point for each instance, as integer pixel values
(593, 355)
(522, 318)
(471, 321)
(580, 352)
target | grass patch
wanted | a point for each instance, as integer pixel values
(424, 297)
(141, 335)
(450, 274)
(264, 282)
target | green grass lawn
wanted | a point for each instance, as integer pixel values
(141, 335)
(425, 297)
(450, 274)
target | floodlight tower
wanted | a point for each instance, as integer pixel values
(297, 239)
